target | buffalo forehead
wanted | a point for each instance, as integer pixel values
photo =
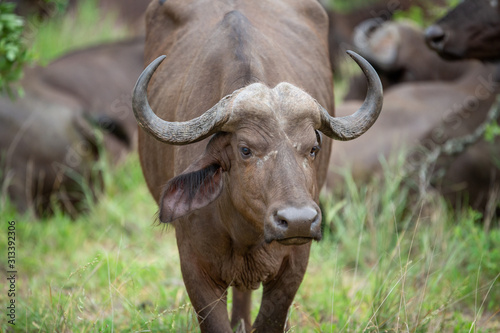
(282, 105)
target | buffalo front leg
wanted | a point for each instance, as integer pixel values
(278, 293)
(242, 304)
(208, 299)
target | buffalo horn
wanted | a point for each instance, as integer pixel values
(176, 133)
(350, 127)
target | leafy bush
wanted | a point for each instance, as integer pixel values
(13, 52)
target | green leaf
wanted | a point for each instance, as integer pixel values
(11, 55)
(13, 51)
(492, 131)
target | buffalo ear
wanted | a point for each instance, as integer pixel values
(190, 191)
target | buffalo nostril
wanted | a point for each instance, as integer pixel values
(435, 36)
(282, 223)
(280, 220)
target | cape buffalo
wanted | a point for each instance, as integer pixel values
(100, 80)
(342, 23)
(48, 147)
(391, 48)
(255, 77)
(470, 30)
(416, 112)
(47, 154)
(426, 113)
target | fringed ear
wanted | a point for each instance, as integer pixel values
(190, 191)
(200, 184)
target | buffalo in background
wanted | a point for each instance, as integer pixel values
(471, 30)
(48, 151)
(100, 80)
(342, 24)
(392, 48)
(48, 140)
(75, 111)
(431, 102)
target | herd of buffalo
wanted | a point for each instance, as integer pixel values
(236, 115)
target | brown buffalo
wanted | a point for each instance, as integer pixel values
(427, 113)
(411, 112)
(472, 176)
(343, 23)
(100, 80)
(48, 151)
(255, 77)
(391, 48)
(470, 30)
(47, 140)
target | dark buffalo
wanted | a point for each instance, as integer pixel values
(100, 80)
(427, 113)
(471, 30)
(391, 48)
(471, 177)
(48, 142)
(244, 203)
(413, 112)
(48, 151)
(343, 23)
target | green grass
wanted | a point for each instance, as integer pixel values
(87, 25)
(386, 266)
(105, 270)
(379, 268)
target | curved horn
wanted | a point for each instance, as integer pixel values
(176, 133)
(350, 127)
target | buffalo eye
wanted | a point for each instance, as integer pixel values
(314, 151)
(245, 152)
